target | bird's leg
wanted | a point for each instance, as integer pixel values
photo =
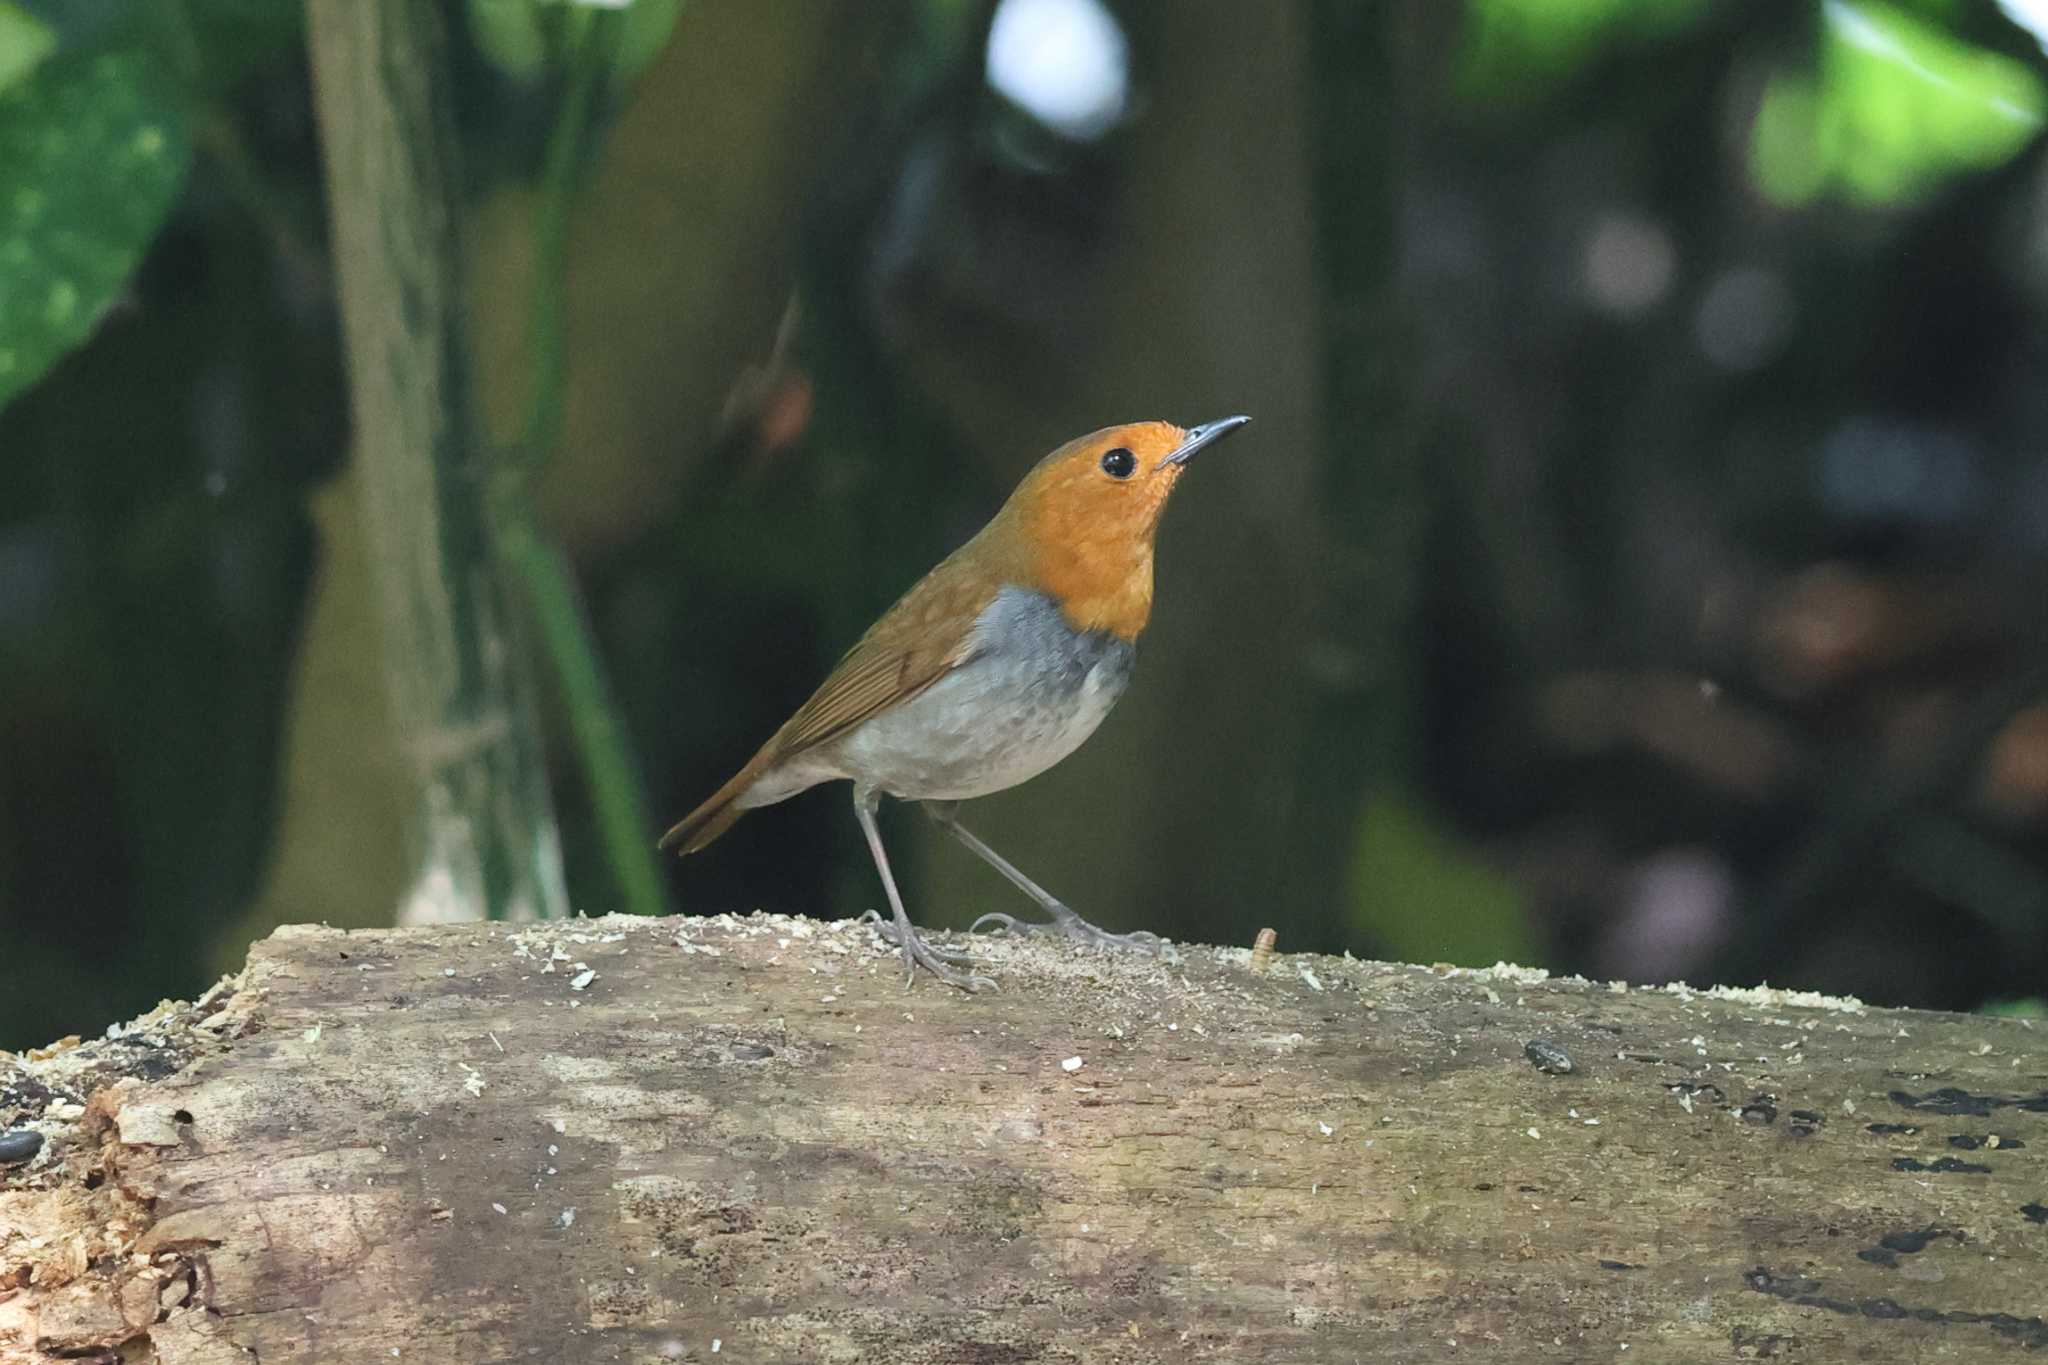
(916, 952)
(1065, 922)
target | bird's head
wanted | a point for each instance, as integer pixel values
(1087, 514)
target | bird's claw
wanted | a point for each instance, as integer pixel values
(1006, 923)
(1074, 929)
(889, 935)
(939, 962)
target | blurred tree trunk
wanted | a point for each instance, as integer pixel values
(683, 251)
(484, 832)
(1363, 714)
(340, 850)
(668, 302)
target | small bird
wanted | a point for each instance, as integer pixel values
(996, 665)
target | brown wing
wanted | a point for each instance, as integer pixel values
(917, 642)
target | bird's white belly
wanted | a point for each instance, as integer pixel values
(986, 726)
(1033, 688)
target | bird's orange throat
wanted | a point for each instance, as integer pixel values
(1081, 532)
(1102, 581)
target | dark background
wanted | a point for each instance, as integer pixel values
(1636, 566)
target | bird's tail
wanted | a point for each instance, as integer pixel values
(709, 820)
(716, 815)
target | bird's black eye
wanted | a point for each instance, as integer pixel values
(1119, 463)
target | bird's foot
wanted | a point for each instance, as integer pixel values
(1071, 927)
(917, 953)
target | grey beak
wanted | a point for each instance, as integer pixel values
(1204, 435)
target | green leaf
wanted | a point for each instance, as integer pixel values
(227, 40)
(520, 37)
(644, 34)
(1516, 50)
(1781, 158)
(511, 34)
(1897, 107)
(24, 41)
(208, 46)
(1419, 890)
(91, 158)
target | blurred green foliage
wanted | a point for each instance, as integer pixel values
(524, 37)
(24, 41)
(92, 153)
(1894, 107)
(156, 550)
(1633, 571)
(1516, 50)
(1418, 888)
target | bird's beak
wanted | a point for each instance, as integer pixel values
(1203, 435)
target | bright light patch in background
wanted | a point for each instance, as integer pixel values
(1628, 264)
(2031, 15)
(1895, 107)
(1064, 62)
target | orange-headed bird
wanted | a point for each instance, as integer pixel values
(994, 667)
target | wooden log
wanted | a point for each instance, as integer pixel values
(746, 1140)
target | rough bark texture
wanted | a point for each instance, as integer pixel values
(744, 1139)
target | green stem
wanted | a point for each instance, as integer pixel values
(623, 822)
(622, 816)
(590, 55)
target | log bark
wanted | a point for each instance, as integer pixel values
(744, 1139)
